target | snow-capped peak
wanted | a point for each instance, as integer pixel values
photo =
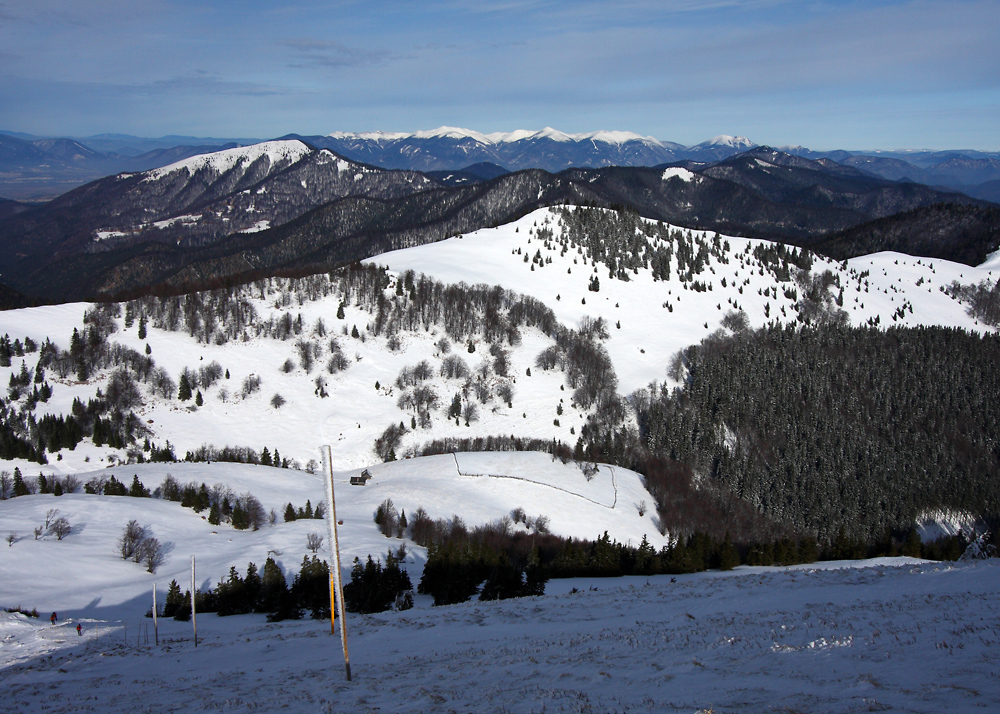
(501, 137)
(369, 135)
(736, 142)
(285, 152)
(527, 135)
(452, 132)
(616, 137)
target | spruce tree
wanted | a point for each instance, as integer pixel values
(174, 599)
(137, 490)
(729, 557)
(273, 588)
(184, 388)
(239, 519)
(289, 513)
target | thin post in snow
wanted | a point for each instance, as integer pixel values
(194, 621)
(336, 582)
(156, 628)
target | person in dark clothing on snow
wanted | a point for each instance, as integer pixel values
(79, 629)
(53, 618)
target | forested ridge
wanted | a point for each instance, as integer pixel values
(833, 429)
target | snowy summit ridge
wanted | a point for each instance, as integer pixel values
(499, 137)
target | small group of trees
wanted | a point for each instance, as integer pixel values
(293, 514)
(268, 592)
(136, 544)
(374, 588)
(983, 300)
(390, 522)
(15, 484)
(243, 511)
(455, 571)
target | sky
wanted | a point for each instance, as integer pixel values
(825, 74)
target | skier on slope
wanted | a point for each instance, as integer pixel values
(53, 618)
(79, 629)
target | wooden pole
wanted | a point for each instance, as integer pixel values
(156, 628)
(194, 621)
(336, 581)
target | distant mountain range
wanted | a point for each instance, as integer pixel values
(288, 206)
(40, 168)
(33, 168)
(450, 148)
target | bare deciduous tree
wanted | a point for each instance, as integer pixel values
(128, 542)
(314, 541)
(59, 527)
(151, 554)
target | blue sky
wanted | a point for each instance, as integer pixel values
(856, 75)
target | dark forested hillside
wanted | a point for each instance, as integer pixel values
(310, 211)
(836, 428)
(962, 233)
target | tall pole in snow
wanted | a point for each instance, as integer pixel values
(194, 621)
(336, 582)
(156, 629)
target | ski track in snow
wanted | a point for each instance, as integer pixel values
(914, 637)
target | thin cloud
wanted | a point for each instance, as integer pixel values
(323, 53)
(203, 83)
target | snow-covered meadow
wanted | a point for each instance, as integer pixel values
(83, 574)
(868, 636)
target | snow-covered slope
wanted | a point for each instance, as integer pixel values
(84, 575)
(648, 322)
(279, 154)
(645, 334)
(744, 634)
(915, 638)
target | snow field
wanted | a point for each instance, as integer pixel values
(914, 638)
(84, 576)
(350, 419)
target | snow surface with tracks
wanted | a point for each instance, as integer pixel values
(873, 636)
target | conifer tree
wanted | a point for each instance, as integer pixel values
(174, 599)
(184, 388)
(239, 519)
(273, 588)
(137, 490)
